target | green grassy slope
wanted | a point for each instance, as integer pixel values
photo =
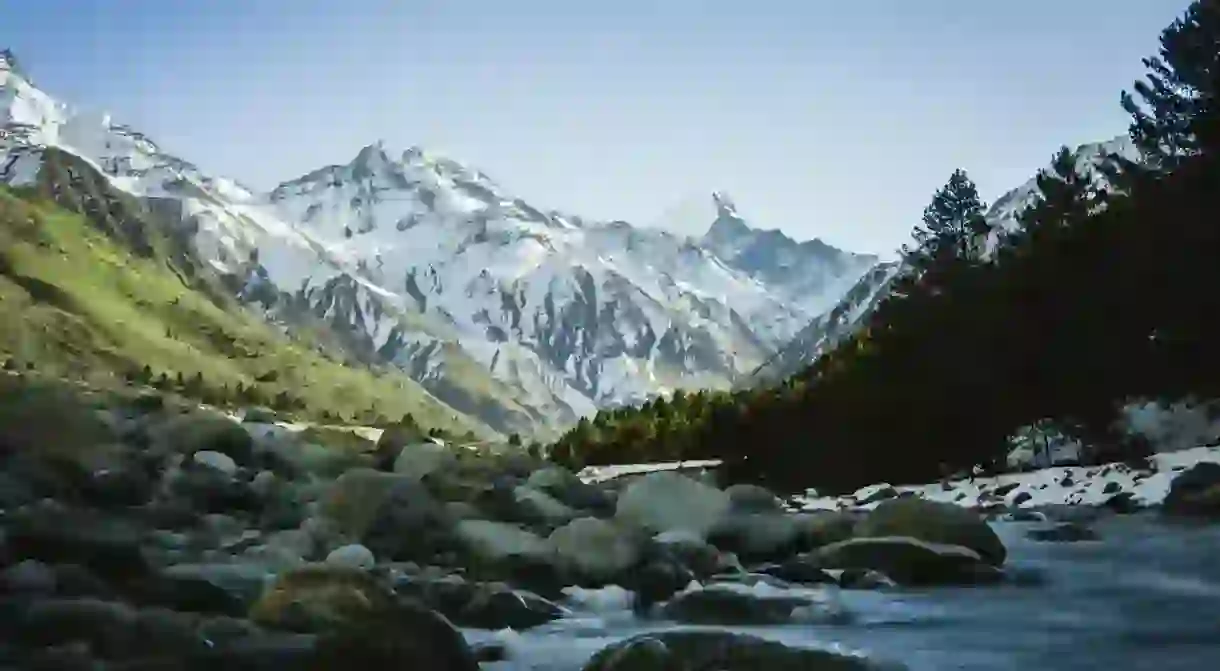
(100, 292)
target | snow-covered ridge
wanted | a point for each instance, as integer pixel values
(431, 264)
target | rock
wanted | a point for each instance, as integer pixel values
(354, 556)
(702, 558)
(118, 484)
(1066, 532)
(409, 636)
(48, 418)
(204, 431)
(209, 490)
(216, 460)
(244, 581)
(656, 581)
(910, 561)
(855, 578)
(568, 489)
(724, 606)
(1111, 488)
(319, 597)
(1195, 492)
(688, 650)
(1004, 489)
(1021, 497)
(409, 524)
(494, 541)
(28, 577)
(269, 651)
(535, 573)
(542, 505)
(753, 499)
(356, 498)
(107, 627)
(875, 493)
(482, 605)
(757, 536)
(188, 593)
(109, 546)
(823, 528)
(596, 549)
(258, 415)
(666, 501)
(938, 523)
(416, 460)
(798, 570)
(1123, 503)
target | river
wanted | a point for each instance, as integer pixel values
(1147, 596)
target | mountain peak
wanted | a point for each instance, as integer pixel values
(724, 203)
(8, 61)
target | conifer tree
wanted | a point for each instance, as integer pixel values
(1175, 111)
(953, 226)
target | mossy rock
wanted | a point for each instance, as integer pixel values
(933, 522)
(319, 597)
(49, 418)
(694, 650)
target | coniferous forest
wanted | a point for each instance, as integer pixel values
(1108, 290)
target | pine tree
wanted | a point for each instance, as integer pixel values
(1065, 197)
(1177, 113)
(953, 226)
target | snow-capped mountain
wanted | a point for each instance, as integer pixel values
(810, 275)
(521, 316)
(855, 305)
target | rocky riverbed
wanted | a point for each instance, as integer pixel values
(139, 536)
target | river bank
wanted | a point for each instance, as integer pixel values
(136, 535)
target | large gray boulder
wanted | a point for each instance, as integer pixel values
(682, 650)
(666, 501)
(934, 522)
(909, 561)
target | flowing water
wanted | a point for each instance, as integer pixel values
(1147, 596)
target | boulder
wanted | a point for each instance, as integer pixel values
(355, 499)
(410, 524)
(541, 505)
(757, 536)
(753, 499)
(596, 549)
(319, 597)
(354, 556)
(934, 522)
(406, 636)
(416, 460)
(570, 490)
(909, 561)
(684, 650)
(666, 501)
(1195, 492)
(201, 430)
(216, 460)
(701, 557)
(489, 541)
(481, 605)
(109, 546)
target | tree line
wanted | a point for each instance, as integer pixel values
(1105, 291)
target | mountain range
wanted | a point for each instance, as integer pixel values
(522, 317)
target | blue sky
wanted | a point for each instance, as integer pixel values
(832, 119)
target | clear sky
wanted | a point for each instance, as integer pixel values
(825, 118)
